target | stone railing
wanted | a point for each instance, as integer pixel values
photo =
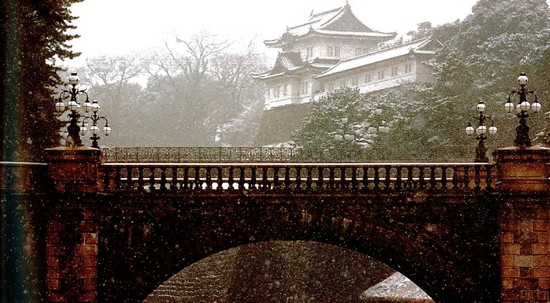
(270, 155)
(306, 177)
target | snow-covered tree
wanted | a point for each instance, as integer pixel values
(481, 59)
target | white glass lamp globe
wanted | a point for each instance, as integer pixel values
(522, 79)
(493, 130)
(480, 107)
(481, 129)
(509, 107)
(107, 130)
(87, 106)
(73, 105)
(536, 107)
(95, 106)
(94, 130)
(73, 79)
(60, 106)
(470, 130)
(525, 106)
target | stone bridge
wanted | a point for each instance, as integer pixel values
(76, 229)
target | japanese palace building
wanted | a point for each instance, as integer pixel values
(334, 49)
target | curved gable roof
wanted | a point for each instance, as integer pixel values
(335, 21)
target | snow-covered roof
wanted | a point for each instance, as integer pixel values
(336, 22)
(420, 46)
(291, 62)
(395, 286)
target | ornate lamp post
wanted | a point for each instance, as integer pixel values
(480, 131)
(344, 136)
(74, 131)
(522, 109)
(382, 126)
(94, 129)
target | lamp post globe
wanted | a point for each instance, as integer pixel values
(480, 131)
(78, 110)
(523, 107)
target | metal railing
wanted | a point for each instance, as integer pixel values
(272, 155)
(297, 177)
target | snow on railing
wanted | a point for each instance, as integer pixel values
(297, 177)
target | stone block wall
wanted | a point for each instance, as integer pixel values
(525, 251)
(71, 256)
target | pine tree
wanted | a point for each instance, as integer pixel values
(34, 35)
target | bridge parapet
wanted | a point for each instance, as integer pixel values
(306, 177)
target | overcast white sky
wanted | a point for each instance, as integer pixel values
(125, 26)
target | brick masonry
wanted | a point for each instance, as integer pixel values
(71, 254)
(525, 251)
(524, 184)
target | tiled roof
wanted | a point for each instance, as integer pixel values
(290, 62)
(338, 21)
(421, 46)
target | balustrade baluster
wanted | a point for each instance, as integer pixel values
(185, 184)
(444, 177)
(219, 178)
(410, 178)
(433, 184)
(242, 178)
(331, 182)
(287, 177)
(466, 178)
(377, 179)
(208, 178)
(174, 184)
(387, 182)
(320, 181)
(265, 183)
(365, 182)
(298, 178)
(309, 180)
(455, 178)
(230, 179)
(140, 181)
(421, 184)
(152, 179)
(253, 182)
(129, 182)
(398, 172)
(197, 182)
(163, 178)
(276, 178)
(344, 184)
(354, 184)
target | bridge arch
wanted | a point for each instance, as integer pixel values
(421, 240)
(275, 271)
